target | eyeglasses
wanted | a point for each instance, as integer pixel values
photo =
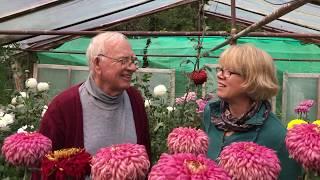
(226, 73)
(124, 60)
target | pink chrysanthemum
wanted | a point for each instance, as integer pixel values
(303, 144)
(190, 96)
(186, 166)
(201, 105)
(304, 106)
(26, 149)
(248, 160)
(187, 140)
(123, 161)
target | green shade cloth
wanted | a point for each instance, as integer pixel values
(285, 48)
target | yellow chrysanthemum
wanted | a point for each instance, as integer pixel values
(294, 122)
(317, 122)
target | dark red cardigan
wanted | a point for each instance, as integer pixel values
(63, 121)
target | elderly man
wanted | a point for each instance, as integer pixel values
(105, 109)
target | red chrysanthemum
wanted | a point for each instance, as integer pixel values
(303, 144)
(248, 160)
(66, 163)
(26, 149)
(187, 140)
(186, 166)
(123, 161)
(199, 77)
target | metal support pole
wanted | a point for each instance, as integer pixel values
(233, 21)
(161, 33)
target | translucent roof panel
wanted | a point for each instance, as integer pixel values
(111, 19)
(10, 7)
(71, 13)
(305, 19)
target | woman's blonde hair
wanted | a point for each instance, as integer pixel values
(255, 66)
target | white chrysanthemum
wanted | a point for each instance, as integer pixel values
(2, 123)
(169, 108)
(14, 101)
(45, 107)
(43, 86)
(9, 118)
(6, 119)
(24, 94)
(160, 90)
(147, 103)
(31, 83)
(22, 129)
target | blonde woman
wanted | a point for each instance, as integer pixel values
(246, 79)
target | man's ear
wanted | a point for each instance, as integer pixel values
(97, 65)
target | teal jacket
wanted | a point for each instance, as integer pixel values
(270, 133)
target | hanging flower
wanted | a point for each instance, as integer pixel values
(25, 149)
(66, 163)
(294, 122)
(248, 160)
(43, 86)
(199, 77)
(123, 161)
(160, 90)
(187, 140)
(31, 83)
(186, 166)
(303, 144)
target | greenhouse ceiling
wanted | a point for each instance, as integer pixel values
(93, 15)
(305, 19)
(71, 15)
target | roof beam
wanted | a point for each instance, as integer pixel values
(274, 15)
(161, 33)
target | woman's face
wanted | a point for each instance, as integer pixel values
(229, 84)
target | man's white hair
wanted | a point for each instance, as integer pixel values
(100, 44)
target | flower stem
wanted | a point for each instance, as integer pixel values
(26, 174)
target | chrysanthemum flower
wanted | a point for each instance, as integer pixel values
(201, 105)
(31, 83)
(317, 122)
(248, 160)
(6, 119)
(123, 161)
(160, 90)
(303, 144)
(187, 140)
(25, 149)
(304, 106)
(186, 166)
(66, 163)
(42, 86)
(294, 122)
(190, 96)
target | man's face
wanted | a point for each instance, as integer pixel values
(111, 75)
